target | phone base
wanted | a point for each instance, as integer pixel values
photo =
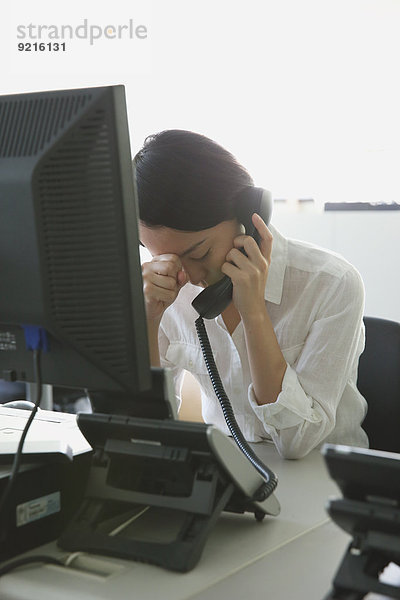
(156, 488)
(362, 564)
(168, 537)
(370, 512)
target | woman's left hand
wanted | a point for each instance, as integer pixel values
(249, 273)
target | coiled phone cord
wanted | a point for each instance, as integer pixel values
(271, 480)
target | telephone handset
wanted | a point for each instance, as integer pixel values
(215, 298)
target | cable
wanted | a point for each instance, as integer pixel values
(18, 455)
(269, 476)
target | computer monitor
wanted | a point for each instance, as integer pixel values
(69, 249)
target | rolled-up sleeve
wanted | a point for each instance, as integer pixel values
(305, 411)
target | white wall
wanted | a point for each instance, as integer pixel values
(369, 240)
(304, 92)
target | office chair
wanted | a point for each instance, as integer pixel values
(379, 383)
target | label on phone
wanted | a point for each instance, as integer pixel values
(38, 509)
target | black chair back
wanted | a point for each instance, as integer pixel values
(379, 383)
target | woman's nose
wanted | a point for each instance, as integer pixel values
(195, 273)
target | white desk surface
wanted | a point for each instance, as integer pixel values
(294, 555)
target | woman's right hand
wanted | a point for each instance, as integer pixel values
(163, 279)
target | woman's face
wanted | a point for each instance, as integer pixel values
(202, 253)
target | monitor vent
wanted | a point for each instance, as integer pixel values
(75, 186)
(27, 125)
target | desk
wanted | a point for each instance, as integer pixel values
(294, 555)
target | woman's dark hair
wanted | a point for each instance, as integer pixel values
(186, 181)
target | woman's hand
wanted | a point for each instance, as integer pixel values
(249, 273)
(163, 278)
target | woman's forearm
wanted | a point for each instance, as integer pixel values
(267, 363)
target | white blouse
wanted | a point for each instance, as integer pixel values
(315, 300)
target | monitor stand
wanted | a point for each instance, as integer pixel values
(46, 401)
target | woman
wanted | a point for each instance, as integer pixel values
(287, 347)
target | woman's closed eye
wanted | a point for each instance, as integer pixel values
(201, 257)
